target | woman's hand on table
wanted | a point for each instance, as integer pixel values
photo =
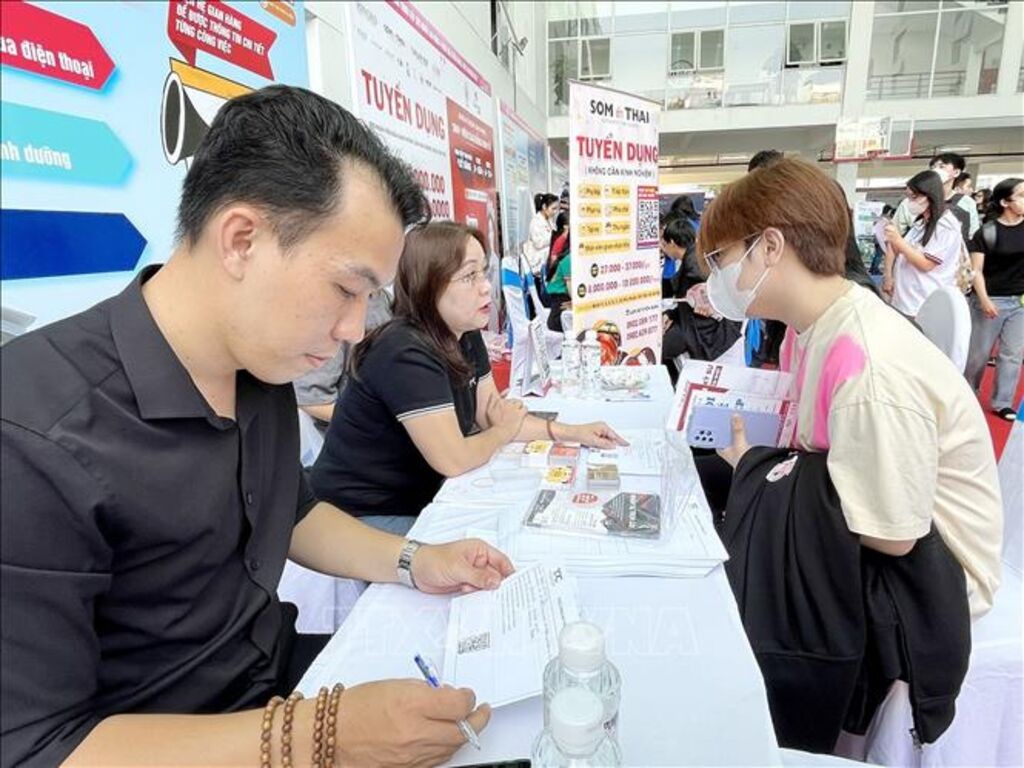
(467, 565)
(506, 414)
(404, 723)
(596, 434)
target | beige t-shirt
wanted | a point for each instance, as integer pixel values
(906, 437)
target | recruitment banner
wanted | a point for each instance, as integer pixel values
(524, 166)
(613, 193)
(432, 108)
(103, 106)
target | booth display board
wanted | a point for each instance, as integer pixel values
(524, 167)
(103, 106)
(432, 109)
(559, 184)
(613, 193)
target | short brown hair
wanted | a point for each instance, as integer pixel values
(432, 256)
(792, 196)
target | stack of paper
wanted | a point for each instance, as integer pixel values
(734, 388)
(643, 455)
(692, 548)
(499, 642)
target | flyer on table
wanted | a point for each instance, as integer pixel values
(613, 189)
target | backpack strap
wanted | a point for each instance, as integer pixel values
(988, 235)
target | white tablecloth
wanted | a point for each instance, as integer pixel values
(692, 692)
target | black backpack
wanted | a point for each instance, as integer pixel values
(953, 206)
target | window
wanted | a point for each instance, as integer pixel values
(919, 50)
(682, 52)
(711, 44)
(817, 42)
(685, 46)
(832, 37)
(801, 44)
(595, 59)
(563, 66)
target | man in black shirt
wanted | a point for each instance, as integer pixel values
(151, 485)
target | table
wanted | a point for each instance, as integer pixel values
(692, 692)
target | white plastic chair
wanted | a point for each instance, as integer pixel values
(552, 338)
(945, 319)
(734, 355)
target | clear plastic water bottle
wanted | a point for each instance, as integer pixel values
(570, 364)
(581, 663)
(574, 738)
(590, 364)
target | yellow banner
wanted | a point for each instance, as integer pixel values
(617, 226)
(590, 228)
(580, 305)
(590, 210)
(616, 190)
(589, 190)
(602, 247)
(617, 209)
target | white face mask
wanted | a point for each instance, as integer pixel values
(724, 294)
(917, 207)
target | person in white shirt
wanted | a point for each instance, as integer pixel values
(928, 256)
(535, 249)
(950, 167)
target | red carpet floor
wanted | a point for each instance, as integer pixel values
(1000, 428)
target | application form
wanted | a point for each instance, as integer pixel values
(499, 642)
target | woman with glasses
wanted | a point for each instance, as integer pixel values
(421, 404)
(907, 443)
(928, 256)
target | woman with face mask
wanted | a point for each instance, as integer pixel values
(907, 444)
(928, 256)
(421, 404)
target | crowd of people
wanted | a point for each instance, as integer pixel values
(151, 485)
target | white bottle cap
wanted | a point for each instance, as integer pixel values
(576, 715)
(591, 335)
(581, 647)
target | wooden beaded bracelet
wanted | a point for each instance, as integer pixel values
(332, 724)
(267, 729)
(286, 728)
(318, 727)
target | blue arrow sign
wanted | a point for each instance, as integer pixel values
(53, 243)
(50, 146)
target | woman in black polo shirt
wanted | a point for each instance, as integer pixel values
(421, 404)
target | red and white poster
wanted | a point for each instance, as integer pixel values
(431, 107)
(613, 193)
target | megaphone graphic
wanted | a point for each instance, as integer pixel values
(191, 99)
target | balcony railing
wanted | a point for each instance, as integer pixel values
(915, 85)
(709, 90)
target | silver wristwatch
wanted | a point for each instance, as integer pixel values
(405, 563)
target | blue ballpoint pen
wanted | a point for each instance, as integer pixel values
(430, 675)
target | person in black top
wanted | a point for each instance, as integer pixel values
(151, 487)
(694, 330)
(422, 404)
(997, 312)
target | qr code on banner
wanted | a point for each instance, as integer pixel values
(472, 643)
(647, 220)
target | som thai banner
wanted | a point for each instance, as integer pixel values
(613, 189)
